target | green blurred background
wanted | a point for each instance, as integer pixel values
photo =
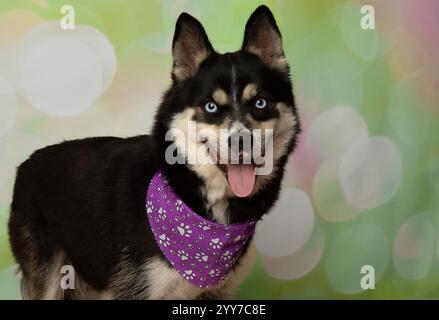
(361, 189)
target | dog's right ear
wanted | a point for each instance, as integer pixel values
(190, 47)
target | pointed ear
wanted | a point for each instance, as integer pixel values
(262, 38)
(190, 47)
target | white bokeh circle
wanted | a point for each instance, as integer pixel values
(353, 248)
(91, 36)
(300, 263)
(328, 196)
(103, 48)
(80, 64)
(8, 105)
(414, 246)
(287, 227)
(334, 131)
(371, 172)
(61, 76)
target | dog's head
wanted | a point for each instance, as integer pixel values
(230, 117)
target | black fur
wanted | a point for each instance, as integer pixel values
(87, 197)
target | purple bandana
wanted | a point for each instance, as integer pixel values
(200, 250)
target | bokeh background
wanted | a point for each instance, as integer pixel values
(362, 187)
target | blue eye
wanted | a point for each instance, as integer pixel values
(211, 107)
(260, 103)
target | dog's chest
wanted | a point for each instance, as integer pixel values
(220, 211)
(164, 282)
(216, 193)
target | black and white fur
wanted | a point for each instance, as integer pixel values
(82, 202)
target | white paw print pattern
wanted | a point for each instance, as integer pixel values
(200, 251)
(226, 255)
(201, 257)
(184, 230)
(149, 207)
(214, 272)
(182, 255)
(162, 213)
(179, 205)
(204, 226)
(216, 243)
(164, 240)
(189, 274)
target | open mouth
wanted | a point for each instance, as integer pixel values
(240, 173)
(240, 176)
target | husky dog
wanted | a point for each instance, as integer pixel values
(82, 203)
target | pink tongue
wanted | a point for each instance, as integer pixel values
(241, 178)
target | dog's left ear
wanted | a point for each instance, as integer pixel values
(262, 38)
(190, 47)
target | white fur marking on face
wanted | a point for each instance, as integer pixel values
(237, 126)
(216, 188)
(234, 87)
